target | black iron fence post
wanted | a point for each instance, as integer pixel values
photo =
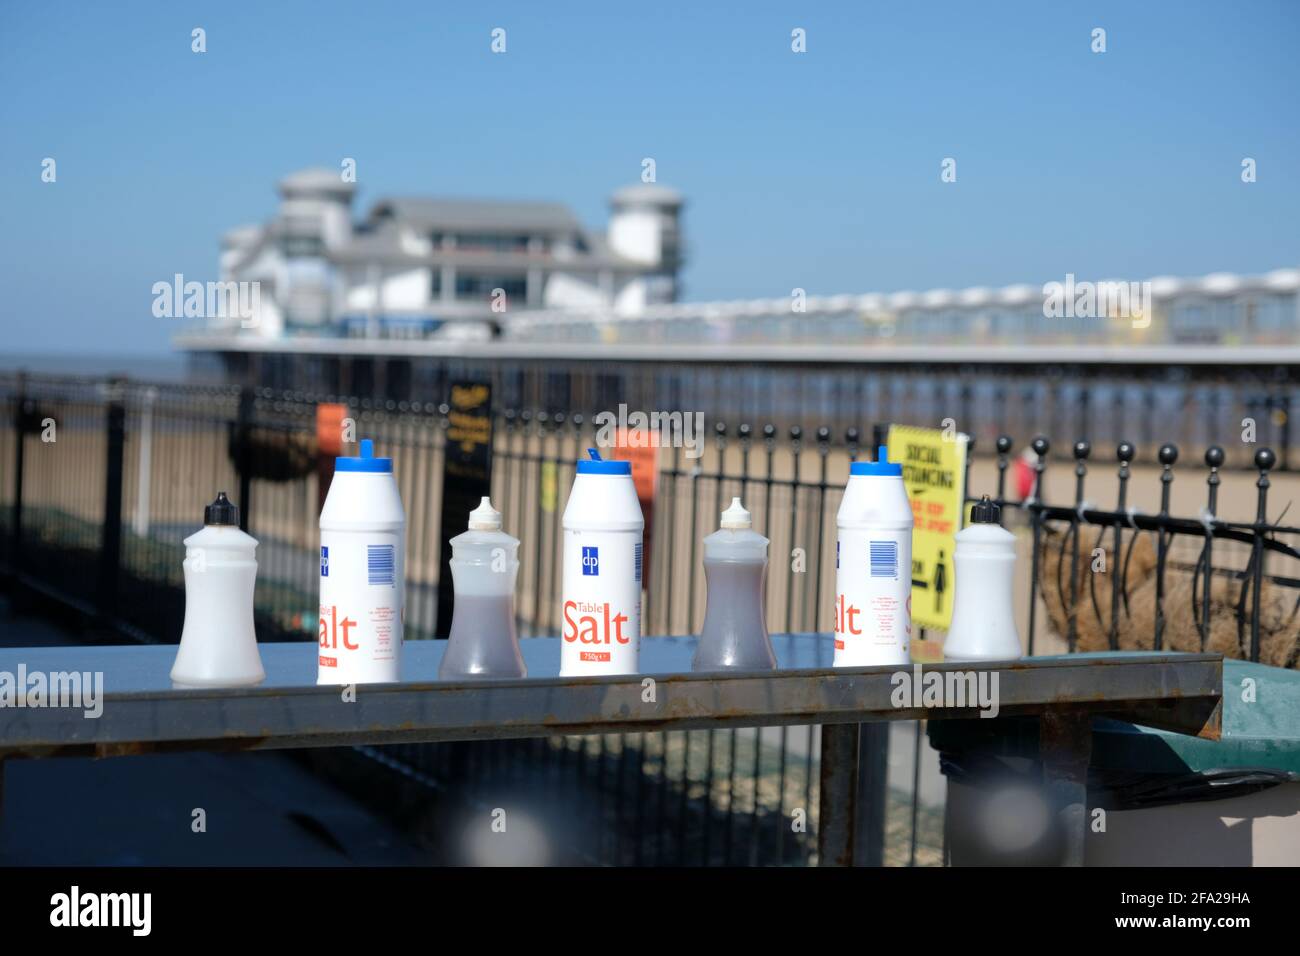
(823, 452)
(1214, 458)
(1265, 459)
(1004, 447)
(1041, 447)
(243, 454)
(1081, 451)
(879, 434)
(1168, 454)
(110, 546)
(1118, 567)
(22, 411)
(1284, 436)
(796, 447)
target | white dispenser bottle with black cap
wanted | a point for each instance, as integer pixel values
(218, 643)
(483, 642)
(873, 567)
(735, 635)
(983, 617)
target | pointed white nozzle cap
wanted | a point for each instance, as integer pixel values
(736, 518)
(485, 517)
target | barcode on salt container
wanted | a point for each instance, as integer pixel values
(884, 559)
(379, 563)
(638, 561)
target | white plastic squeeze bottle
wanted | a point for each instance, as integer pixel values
(873, 567)
(362, 562)
(600, 619)
(983, 620)
(484, 565)
(735, 569)
(218, 644)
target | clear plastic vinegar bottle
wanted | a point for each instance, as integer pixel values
(735, 569)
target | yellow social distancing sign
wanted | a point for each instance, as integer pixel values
(934, 472)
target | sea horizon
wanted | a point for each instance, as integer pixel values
(149, 366)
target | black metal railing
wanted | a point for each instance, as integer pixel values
(1253, 631)
(1194, 405)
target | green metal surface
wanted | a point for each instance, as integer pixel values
(1261, 730)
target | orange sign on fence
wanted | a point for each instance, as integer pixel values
(640, 446)
(329, 445)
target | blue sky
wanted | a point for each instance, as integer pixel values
(819, 170)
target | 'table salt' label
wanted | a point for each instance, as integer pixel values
(601, 614)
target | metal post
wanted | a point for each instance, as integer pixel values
(21, 413)
(839, 795)
(140, 522)
(1041, 447)
(1265, 459)
(1004, 446)
(1284, 438)
(1214, 458)
(1081, 451)
(1065, 749)
(1118, 573)
(110, 547)
(243, 456)
(1167, 455)
(916, 793)
(872, 794)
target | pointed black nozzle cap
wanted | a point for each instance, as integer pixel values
(222, 511)
(985, 512)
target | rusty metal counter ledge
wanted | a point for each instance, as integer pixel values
(143, 712)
